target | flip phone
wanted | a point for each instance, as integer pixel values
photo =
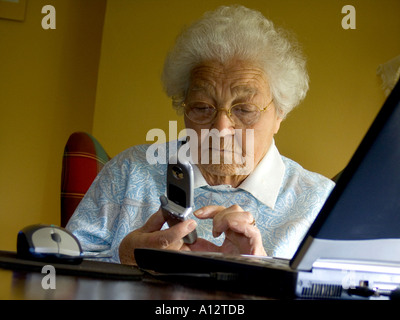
(178, 204)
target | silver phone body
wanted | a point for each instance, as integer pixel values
(177, 206)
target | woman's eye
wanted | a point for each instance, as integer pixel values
(202, 108)
(244, 108)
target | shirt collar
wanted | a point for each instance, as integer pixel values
(263, 183)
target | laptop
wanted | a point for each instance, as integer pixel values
(351, 251)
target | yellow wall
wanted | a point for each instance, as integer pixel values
(48, 84)
(321, 134)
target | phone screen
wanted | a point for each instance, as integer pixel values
(177, 195)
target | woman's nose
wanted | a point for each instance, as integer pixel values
(223, 122)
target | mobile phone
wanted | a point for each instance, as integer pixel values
(177, 206)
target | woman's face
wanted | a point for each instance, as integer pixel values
(231, 148)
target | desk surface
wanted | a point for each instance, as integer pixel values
(160, 295)
(25, 285)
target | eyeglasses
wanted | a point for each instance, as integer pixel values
(246, 114)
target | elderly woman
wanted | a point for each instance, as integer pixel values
(229, 72)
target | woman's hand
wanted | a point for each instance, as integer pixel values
(150, 235)
(241, 234)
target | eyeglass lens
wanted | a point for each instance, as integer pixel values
(204, 113)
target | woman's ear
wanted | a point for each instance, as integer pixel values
(278, 121)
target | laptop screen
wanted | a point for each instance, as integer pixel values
(365, 204)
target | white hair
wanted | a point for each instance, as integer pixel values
(238, 32)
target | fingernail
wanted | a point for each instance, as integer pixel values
(199, 213)
(192, 225)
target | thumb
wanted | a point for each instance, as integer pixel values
(154, 223)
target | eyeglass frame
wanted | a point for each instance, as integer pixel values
(228, 112)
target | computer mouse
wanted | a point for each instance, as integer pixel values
(48, 243)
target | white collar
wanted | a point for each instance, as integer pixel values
(263, 183)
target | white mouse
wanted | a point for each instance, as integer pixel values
(48, 242)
